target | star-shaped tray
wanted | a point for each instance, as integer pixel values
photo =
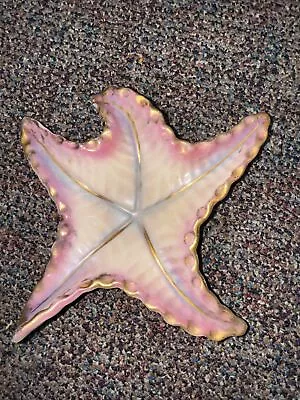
(131, 204)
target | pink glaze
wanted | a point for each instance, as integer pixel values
(131, 203)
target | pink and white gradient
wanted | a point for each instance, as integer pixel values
(131, 203)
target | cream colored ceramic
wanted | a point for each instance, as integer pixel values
(131, 204)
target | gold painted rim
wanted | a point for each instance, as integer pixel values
(219, 195)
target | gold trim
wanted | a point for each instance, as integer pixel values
(138, 186)
(122, 285)
(167, 276)
(116, 232)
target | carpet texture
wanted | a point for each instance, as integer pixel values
(205, 64)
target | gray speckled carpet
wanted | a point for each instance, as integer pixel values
(205, 64)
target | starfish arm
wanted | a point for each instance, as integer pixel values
(173, 242)
(156, 142)
(87, 223)
(211, 167)
(105, 166)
